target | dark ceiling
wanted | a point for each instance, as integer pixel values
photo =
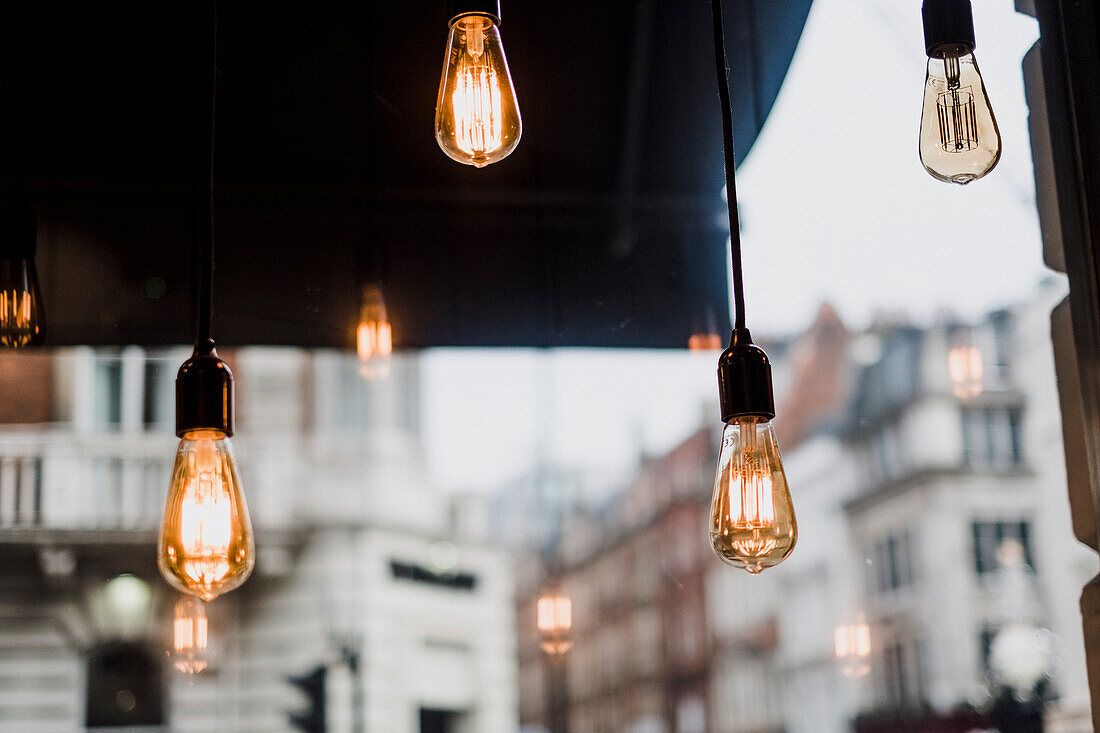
(603, 228)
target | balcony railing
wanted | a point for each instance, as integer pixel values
(58, 479)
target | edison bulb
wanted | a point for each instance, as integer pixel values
(190, 636)
(374, 336)
(21, 319)
(477, 118)
(752, 524)
(206, 546)
(959, 139)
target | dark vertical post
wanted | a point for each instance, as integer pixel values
(1070, 58)
(557, 694)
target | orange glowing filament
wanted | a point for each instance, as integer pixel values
(206, 522)
(17, 321)
(751, 509)
(479, 125)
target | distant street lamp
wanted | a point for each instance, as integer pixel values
(1022, 652)
(554, 617)
(555, 620)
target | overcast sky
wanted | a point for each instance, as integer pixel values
(835, 206)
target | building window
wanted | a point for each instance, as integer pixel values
(158, 400)
(901, 675)
(892, 562)
(108, 391)
(992, 437)
(988, 538)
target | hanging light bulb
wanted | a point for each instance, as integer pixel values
(206, 546)
(752, 523)
(22, 321)
(555, 619)
(959, 139)
(190, 636)
(374, 337)
(477, 119)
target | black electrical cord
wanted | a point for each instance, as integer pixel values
(203, 340)
(722, 69)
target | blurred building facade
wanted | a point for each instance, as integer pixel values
(367, 582)
(914, 456)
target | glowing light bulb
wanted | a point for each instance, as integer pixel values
(964, 364)
(555, 619)
(206, 546)
(477, 119)
(22, 321)
(752, 523)
(705, 341)
(853, 648)
(959, 139)
(374, 337)
(190, 636)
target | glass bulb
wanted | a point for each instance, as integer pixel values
(959, 140)
(476, 113)
(752, 524)
(21, 319)
(206, 546)
(374, 337)
(190, 636)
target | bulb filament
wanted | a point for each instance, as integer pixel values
(206, 522)
(955, 111)
(17, 326)
(479, 126)
(751, 505)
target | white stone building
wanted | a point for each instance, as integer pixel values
(902, 508)
(359, 558)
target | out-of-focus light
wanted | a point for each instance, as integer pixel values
(127, 607)
(853, 648)
(705, 342)
(22, 319)
(1021, 656)
(555, 620)
(190, 636)
(374, 336)
(964, 365)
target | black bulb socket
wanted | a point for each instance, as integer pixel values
(948, 27)
(204, 393)
(745, 380)
(462, 8)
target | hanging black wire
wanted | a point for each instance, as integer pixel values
(722, 69)
(203, 339)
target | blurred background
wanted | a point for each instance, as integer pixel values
(503, 525)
